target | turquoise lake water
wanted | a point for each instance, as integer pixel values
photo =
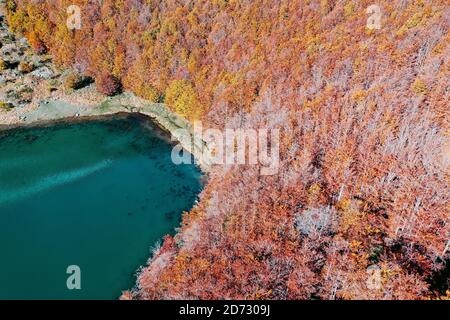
(97, 194)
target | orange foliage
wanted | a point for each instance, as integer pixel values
(364, 117)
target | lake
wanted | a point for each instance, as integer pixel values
(97, 194)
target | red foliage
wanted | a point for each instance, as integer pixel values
(168, 244)
(108, 84)
(37, 45)
(365, 138)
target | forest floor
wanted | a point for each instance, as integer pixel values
(27, 79)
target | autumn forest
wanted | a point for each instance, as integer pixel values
(359, 208)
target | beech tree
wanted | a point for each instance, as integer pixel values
(108, 84)
(363, 114)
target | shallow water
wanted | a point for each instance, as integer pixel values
(97, 195)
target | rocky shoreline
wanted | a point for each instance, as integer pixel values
(33, 91)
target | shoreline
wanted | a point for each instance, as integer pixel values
(59, 110)
(38, 96)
